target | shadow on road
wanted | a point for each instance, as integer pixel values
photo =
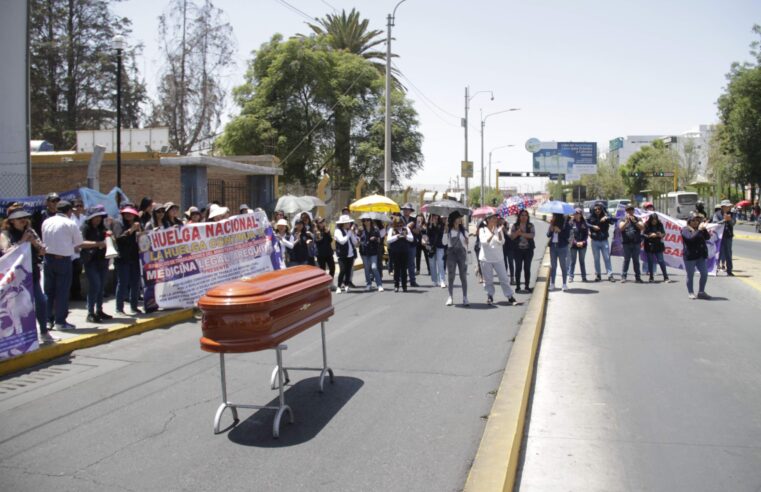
(581, 291)
(312, 412)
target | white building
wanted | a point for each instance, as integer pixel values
(692, 145)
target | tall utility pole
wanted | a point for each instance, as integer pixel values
(387, 144)
(468, 98)
(119, 44)
(483, 123)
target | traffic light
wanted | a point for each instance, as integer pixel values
(658, 174)
(636, 174)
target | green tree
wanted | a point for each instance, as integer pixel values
(72, 69)
(649, 159)
(606, 183)
(492, 196)
(740, 112)
(289, 107)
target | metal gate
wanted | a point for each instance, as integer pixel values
(230, 195)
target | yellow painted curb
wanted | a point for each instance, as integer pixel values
(63, 347)
(496, 464)
(747, 237)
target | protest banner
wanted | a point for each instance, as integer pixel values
(181, 263)
(672, 241)
(36, 203)
(18, 330)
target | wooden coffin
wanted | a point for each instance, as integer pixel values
(261, 312)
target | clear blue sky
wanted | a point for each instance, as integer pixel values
(582, 70)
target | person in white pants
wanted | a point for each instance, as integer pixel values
(492, 238)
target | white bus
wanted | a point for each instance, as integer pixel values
(677, 204)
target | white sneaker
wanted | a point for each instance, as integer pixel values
(346, 289)
(47, 337)
(565, 287)
(338, 290)
(449, 301)
(443, 285)
(380, 289)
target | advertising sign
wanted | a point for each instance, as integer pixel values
(181, 263)
(18, 330)
(566, 158)
(466, 169)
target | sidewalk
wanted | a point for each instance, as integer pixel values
(639, 388)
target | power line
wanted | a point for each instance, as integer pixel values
(296, 10)
(332, 7)
(428, 102)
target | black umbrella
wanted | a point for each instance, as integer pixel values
(445, 207)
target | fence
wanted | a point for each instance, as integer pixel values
(231, 195)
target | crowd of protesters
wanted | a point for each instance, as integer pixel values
(570, 236)
(67, 240)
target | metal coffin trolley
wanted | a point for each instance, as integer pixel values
(261, 313)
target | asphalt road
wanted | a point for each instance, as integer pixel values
(414, 380)
(639, 388)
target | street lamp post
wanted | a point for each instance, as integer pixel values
(490, 152)
(468, 98)
(483, 123)
(387, 143)
(118, 43)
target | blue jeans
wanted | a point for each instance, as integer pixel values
(96, 271)
(580, 253)
(631, 253)
(411, 262)
(652, 258)
(57, 285)
(558, 255)
(371, 270)
(725, 253)
(437, 267)
(128, 275)
(601, 246)
(700, 265)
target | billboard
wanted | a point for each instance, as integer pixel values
(566, 158)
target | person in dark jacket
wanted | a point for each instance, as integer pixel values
(695, 253)
(421, 252)
(559, 233)
(300, 238)
(508, 251)
(369, 246)
(522, 232)
(727, 217)
(172, 215)
(599, 223)
(631, 236)
(579, 238)
(95, 263)
(346, 246)
(324, 241)
(128, 262)
(146, 211)
(435, 234)
(654, 247)
(399, 238)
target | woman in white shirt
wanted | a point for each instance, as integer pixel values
(455, 240)
(346, 244)
(491, 258)
(282, 242)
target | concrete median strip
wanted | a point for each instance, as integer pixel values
(496, 464)
(63, 347)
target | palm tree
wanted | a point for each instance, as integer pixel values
(348, 32)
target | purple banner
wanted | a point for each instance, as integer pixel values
(18, 330)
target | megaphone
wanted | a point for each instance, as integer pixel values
(110, 248)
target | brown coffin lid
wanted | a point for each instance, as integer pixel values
(265, 286)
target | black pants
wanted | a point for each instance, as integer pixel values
(523, 259)
(76, 284)
(399, 259)
(345, 266)
(327, 261)
(509, 255)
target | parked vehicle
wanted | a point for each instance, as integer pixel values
(677, 204)
(613, 205)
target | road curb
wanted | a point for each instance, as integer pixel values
(496, 464)
(63, 347)
(748, 237)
